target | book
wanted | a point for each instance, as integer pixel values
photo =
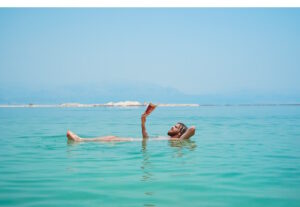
(150, 108)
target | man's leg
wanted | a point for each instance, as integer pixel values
(76, 138)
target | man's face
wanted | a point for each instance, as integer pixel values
(174, 130)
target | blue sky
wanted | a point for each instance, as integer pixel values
(196, 51)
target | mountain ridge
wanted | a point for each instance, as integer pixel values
(136, 91)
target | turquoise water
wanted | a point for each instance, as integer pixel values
(240, 156)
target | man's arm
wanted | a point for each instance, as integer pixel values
(189, 132)
(144, 132)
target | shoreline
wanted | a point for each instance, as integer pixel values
(136, 104)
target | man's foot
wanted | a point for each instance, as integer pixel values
(72, 136)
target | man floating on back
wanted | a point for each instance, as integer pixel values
(177, 132)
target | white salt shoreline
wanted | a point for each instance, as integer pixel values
(79, 105)
(128, 104)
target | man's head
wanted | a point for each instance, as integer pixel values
(177, 130)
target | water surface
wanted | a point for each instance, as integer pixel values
(240, 156)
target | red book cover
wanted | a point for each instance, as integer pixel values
(150, 108)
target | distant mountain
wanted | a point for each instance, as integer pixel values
(91, 94)
(104, 93)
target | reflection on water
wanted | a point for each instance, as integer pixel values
(179, 145)
(146, 164)
(149, 205)
(146, 174)
(72, 143)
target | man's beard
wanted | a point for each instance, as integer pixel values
(171, 134)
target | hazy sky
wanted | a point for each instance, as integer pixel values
(198, 51)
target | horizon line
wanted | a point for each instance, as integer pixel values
(79, 105)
